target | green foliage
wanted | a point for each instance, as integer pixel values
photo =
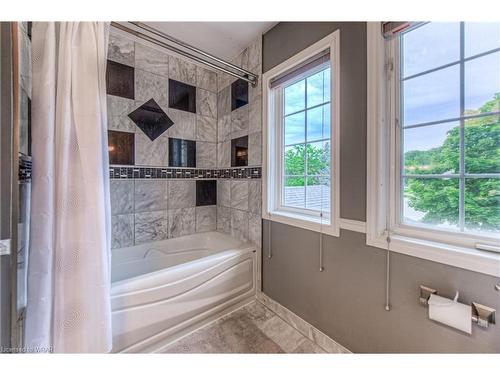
(438, 198)
(318, 161)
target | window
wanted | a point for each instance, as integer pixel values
(305, 148)
(301, 104)
(434, 165)
(449, 133)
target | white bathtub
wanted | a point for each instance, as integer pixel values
(163, 289)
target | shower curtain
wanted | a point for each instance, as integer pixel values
(68, 307)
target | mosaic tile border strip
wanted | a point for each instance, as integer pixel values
(128, 172)
(24, 174)
(158, 173)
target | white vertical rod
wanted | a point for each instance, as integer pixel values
(321, 268)
(388, 279)
(269, 252)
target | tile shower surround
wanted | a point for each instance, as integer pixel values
(145, 210)
(151, 201)
(239, 200)
(153, 210)
(183, 93)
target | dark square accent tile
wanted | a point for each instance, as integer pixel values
(181, 96)
(120, 80)
(239, 94)
(151, 119)
(181, 153)
(239, 152)
(121, 147)
(206, 192)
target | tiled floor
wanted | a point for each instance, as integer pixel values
(251, 329)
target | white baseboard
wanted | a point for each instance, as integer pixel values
(312, 333)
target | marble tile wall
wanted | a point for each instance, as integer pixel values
(146, 210)
(152, 70)
(239, 201)
(152, 210)
(239, 208)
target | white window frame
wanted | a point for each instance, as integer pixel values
(327, 222)
(383, 228)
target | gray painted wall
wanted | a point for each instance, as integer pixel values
(347, 300)
(285, 40)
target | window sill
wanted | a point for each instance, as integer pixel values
(303, 221)
(461, 257)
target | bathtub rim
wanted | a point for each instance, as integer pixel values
(239, 245)
(232, 243)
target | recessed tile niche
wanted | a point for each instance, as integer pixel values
(239, 152)
(181, 153)
(239, 94)
(120, 80)
(151, 119)
(206, 193)
(121, 147)
(181, 96)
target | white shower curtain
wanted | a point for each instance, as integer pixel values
(68, 306)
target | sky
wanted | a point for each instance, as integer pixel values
(318, 119)
(436, 96)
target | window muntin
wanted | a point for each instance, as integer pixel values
(306, 145)
(449, 134)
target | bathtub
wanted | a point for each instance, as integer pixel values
(162, 290)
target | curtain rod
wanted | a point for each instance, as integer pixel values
(244, 75)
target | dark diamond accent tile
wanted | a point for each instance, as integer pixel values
(239, 94)
(181, 153)
(239, 152)
(121, 147)
(120, 80)
(151, 119)
(181, 96)
(206, 193)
